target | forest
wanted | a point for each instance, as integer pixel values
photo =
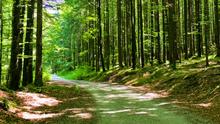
(110, 61)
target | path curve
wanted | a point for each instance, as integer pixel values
(117, 104)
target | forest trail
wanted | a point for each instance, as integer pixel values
(118, 104)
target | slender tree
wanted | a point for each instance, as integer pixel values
(100, 34)
(119, 33)
(186, 29)
(21, 35)
(199, 30)
(217, 27)
(133, 34)
(1, 39)
(107, 36)
(157, 19)
(28, 48)
(207, 32)
(14, 78)
(141, 32)
(172, 33)
(152, 33)
(38, 70)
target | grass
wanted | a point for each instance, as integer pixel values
(80, 73)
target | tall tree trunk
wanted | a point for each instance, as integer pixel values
(119, 34)
(190, 28)
(207, 32)
(172, 33)
(164, 30)
(199, 31)
(1, 38)
(21, 35)
(152, 34)
(217, 27)
(28, 48)
(186, 29)
(14, 78)
(141, 33)
(132, 2)
(39, 68)
(100, 34)
(107, 36)
(157, 16)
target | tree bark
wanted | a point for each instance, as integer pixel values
(14, 78)
(28, 48)
(39, 68)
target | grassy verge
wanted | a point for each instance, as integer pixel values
(80, 73)
(74, 101)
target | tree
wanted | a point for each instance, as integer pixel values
(199, 30)
(14, 77)
(100, 34)
(1, 39)
(38, 70)
(107, 36)
(186, 29)
(119, 34)
(207, 33)
(21, 36)
(217, 27)
(157, 19)
(132, 2)
(141, 37)
(172, 33)
(152, 33)
(28, 48)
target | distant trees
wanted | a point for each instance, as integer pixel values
(134, 33)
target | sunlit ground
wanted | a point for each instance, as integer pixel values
(55, 105)
(122, 105)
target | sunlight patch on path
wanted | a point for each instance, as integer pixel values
(82, 115)
(118, 111)
(35, 116)
(34, 100)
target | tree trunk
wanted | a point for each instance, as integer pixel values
(217, 28)
(119, 34)
(107, 37)
(207, 32)
(199, 31)
(172, 33)
(186, 29)
(28, 49)
(133, 34)
(39, 68)
(100, 34)
(14, 78)
(1, 39)
(141, 33)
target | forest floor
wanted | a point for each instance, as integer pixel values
(51, 104)
(192, 84)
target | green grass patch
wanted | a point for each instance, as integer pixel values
(83, 72)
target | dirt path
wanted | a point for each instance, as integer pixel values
(120, 105)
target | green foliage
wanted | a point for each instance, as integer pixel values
(81, 73)
(46, 76)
